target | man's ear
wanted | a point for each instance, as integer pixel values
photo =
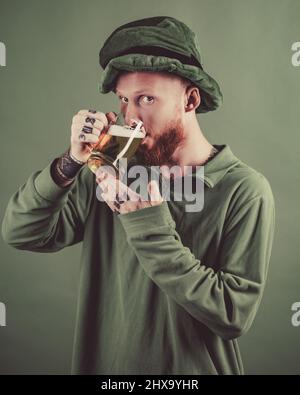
(192, 98)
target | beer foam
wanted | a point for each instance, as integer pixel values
(124, 131)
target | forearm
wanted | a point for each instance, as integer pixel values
(42, 215)
(222, 300)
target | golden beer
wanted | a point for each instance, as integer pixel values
(119, 142)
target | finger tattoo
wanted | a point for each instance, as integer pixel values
(90, 120)
(87, 129)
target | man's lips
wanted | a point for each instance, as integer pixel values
(144, 142)
(146, 133)
(142, 128)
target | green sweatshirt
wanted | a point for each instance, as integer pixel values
(162, 290)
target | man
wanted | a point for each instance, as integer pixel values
(162, 290)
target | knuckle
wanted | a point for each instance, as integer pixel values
(92, 138)
(103, 118)
(96, 132)
(99, 124)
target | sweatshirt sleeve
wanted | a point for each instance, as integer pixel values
(226, 300)
(44, 217)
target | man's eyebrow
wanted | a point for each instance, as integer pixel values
(135, 93)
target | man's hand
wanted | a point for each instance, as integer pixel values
(87, 125)
(121, 198)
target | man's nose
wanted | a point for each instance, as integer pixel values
(132, 117)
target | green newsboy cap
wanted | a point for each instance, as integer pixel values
(157, 44)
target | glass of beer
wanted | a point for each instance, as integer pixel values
(120, 141)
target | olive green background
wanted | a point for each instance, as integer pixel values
(52, 72)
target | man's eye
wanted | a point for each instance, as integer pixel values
(147, 101)
(121, 98)
(144, 99)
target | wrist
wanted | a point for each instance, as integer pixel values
(57, 176)
(65, 169)
(79, 162)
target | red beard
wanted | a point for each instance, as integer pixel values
(164, 147)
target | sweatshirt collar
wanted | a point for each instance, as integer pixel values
(219, 165)
(216, 168)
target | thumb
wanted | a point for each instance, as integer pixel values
(153, 190)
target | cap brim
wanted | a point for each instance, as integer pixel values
(211, 95)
